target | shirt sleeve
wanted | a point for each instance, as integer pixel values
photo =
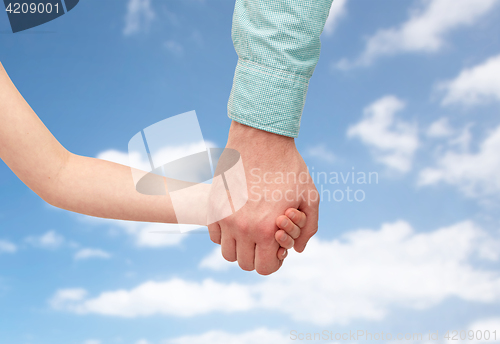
(278, 46)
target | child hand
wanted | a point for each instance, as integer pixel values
(289, 229)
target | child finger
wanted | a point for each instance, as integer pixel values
(284, 239)
(284, 223)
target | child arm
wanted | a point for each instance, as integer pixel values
(69, 181)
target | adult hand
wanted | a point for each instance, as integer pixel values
(277, 179)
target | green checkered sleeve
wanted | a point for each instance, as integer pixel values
(278, 45)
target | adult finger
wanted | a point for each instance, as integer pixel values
(266, 261)
(245, 253)
(228, 247)
(215, 233)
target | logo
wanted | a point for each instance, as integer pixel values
(26, 14)
(205, 184)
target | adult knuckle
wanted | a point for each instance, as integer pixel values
(243, 228)
(267, 233)
(228, 221)
(240, 223)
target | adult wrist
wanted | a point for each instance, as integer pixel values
(239, 133)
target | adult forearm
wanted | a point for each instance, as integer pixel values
(278, 45)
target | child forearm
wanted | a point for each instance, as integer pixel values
(104, 189)
(76, 183)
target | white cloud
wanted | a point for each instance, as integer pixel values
(322, 152)
(425, 31)
(65, 296)
(174, 47)
(337, 11)
(142, 341)
(87, 253)
(261, 336)
(440, 128)
(482, 326)
(175, 297)
(155, 234)
(139, 16)
(370, 271)
(149, 235)
(463, 139)
(393, 142)
(7, 247)
(474, 86)
(49, 240)
(123, 158)
(362, 275)
(145, 234)
(92, 341)
(215, 261)
(475, 174)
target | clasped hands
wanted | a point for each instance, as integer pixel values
(282, 207)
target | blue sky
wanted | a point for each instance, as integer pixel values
(407, 89)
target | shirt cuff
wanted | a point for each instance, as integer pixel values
(267, 98)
